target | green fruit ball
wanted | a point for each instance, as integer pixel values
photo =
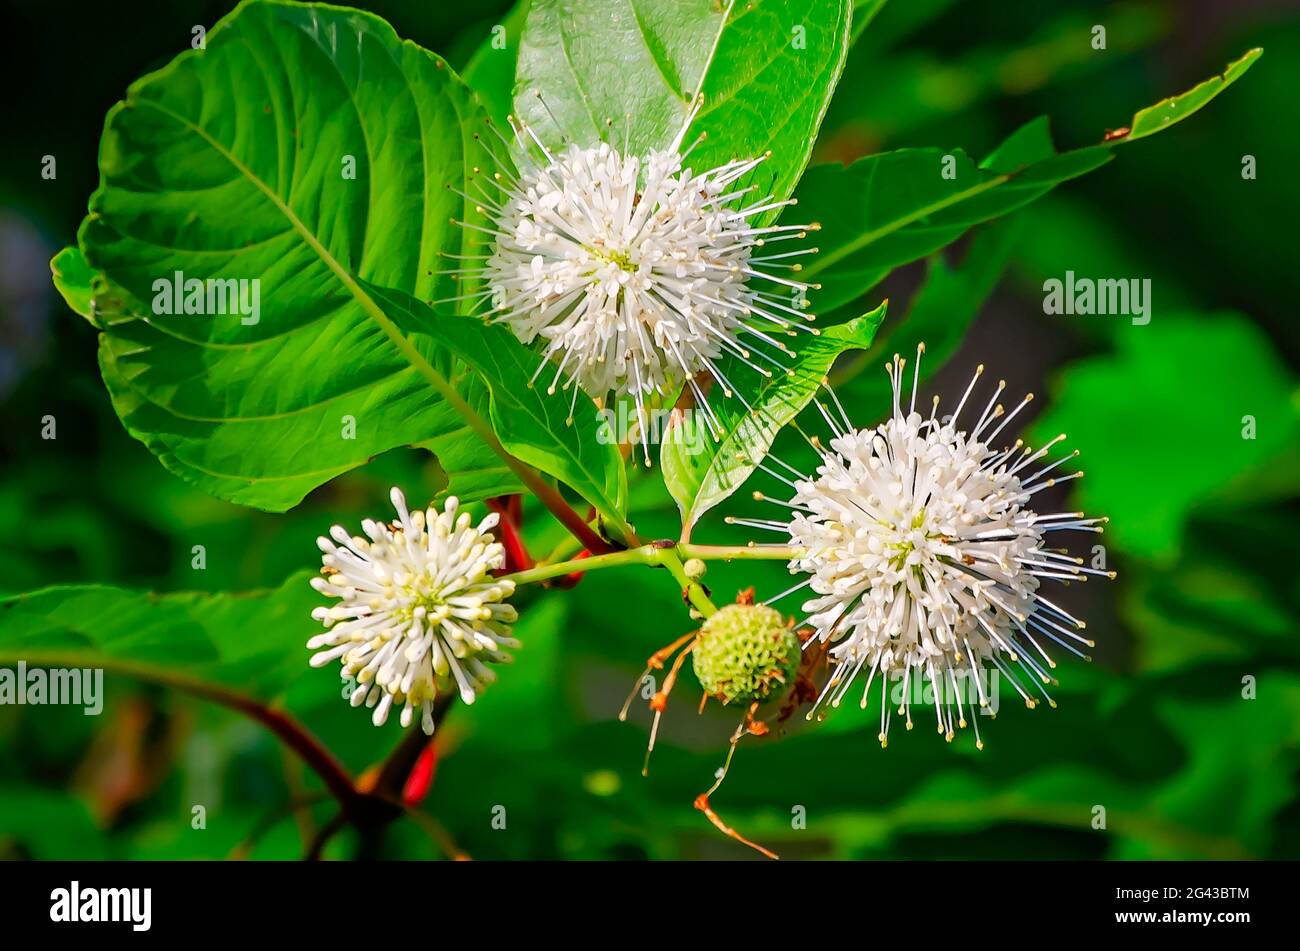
(745, 652)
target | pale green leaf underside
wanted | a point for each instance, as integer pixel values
(700, 472)
(235, 162)
(627, 71)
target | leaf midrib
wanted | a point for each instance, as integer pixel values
(869, 237)
(367, 303)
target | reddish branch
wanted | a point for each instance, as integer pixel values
(510, 510)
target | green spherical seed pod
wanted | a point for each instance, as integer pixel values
(745, 652)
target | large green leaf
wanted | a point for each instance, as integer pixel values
(889, 209)
(469, 468)
(533, 425)
(234, 162)
(628, 71)
(701, 471)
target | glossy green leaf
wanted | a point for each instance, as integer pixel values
(304, 148)
(701, 471)
(890, 209)
(628, 71)
(940, 314)
(886, 210)
(467, 467)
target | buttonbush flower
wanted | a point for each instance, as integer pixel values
(926, 560)
(638, 273)
(418, 611)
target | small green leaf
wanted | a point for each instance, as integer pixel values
(1031, 143)
(890, 209)
(700, 472)
(1175, 109)
(72, 277)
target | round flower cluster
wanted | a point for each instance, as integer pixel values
(640, 274)
(925, 558)
(418, 611)
(745, 653)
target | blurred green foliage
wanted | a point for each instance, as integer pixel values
(1203, 532)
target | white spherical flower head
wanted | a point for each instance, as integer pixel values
(639, 274)
(418, 609)
(926, 559)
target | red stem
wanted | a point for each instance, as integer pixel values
(296, 737)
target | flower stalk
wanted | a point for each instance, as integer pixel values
(654, 554)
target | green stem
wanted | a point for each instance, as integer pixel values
(656, 553)
(694, 592)
(662, 554)
(643, 555)
(737, 552)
